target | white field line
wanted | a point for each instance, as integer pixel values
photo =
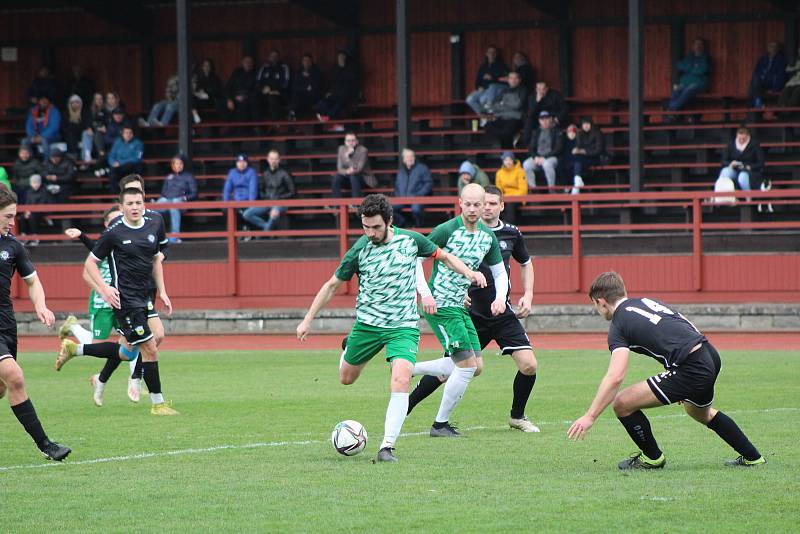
(258, 445)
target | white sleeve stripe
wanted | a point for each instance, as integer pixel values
(162, 242)
(32, 274)
(526, 263)
(95, 257)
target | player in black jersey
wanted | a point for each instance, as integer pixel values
(692, 364)
(132, 245)
(14, 258)
(505, 329)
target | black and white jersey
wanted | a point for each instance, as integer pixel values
(13, 258)
(130, 252)
(651, 328)
(512, 244)
(160, 219)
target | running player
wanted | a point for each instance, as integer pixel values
(132, 244)
(466, 237)
(505, 329)
(692, 364)
(14, 258)
(385, 260)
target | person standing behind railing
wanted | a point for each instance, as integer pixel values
(179, 186)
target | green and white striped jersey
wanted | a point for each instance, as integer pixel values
(448, 287)
(387, 295)
(96, 302)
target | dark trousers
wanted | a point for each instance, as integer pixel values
(331, 107)
(302, 103)
(579, 163)
(271, 107)
(355, 181)
(118, 173)
(504, 130)
(30, 225)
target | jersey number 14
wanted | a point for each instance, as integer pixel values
(653, 305)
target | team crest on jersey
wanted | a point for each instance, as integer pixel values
(149, 306)
(140, 330)
(4, 255)
(151, 238)
(503, 245)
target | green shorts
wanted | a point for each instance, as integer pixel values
(454, 329)
(366, 341)
(102, 323)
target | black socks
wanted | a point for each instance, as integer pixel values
(638, 428)
(523, 385)
(108, 370)
(137, 370)
(151, 376)
(427, 385)
(27, 417)
(106, 349)
(728, 430)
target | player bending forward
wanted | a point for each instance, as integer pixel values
(692, 364)
(385, 260)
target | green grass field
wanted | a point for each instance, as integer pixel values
(251, 452)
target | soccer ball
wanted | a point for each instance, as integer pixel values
(349, 437)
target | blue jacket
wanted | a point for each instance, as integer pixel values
(49, 131)
(694, 71)
(123, 152)
(771, 71)
(241, 185)
(416, 182)
(183, 186)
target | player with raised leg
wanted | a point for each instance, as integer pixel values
(505, 329)
(692, 364)
(132, 245)
(14, 258)
(467, 238)
(385, 260)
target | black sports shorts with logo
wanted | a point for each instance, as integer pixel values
(505, 329)
(692, 381)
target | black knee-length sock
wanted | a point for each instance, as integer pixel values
(151, 376)
(728, 430)
(523, 385)
(137, 369)
(639, 430)
(106, 349)
(26, 414)
(108, 370)
(427, 385)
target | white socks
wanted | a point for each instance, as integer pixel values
(156, 398)
(454, 389)
(132, 365)
(82, 335)
(438, 367)
(395, 415)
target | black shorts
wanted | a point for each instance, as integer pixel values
(505, 329)
(133, 324)
(693, 381)
(8, 346)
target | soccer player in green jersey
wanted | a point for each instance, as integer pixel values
(467, 238)
(385, 259)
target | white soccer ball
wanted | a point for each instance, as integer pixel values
(349, 437)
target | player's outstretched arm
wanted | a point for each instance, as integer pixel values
(36, 293)
(92, 276)
(458, 266)
(428, 302)
(158, 276)
(526, 301)
(324, 296)
(606, 392)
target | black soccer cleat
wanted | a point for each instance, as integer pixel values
(54, 451)
(386, 454)
(344, 342)
(640, 461)
(446, 430)
(741, 461)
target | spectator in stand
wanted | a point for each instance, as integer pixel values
(352, 166)
(241, 182)
(790, 96)
(4, 179)
(413, 180)
(35, 195)
(125, 157)
(344, 89)
(521, 65)
(241, 91)
(570, 157)
(276, 184)
(59, 177)
(588, 151)
(544, 99)
(489, 82)
(208, 92)
(163, 110)
(469, 173)
(544, 149)
(111, 132)
(113, 102)
(44, 84)
(179, 186)
(80, 84)
(43, 125)
(23, 168)
(273, 81)
(93, 135)
(743, 161)
(510, 180)
(694, 70)
(305, 87)
(769, 75)
(506, 114)
(79, 120)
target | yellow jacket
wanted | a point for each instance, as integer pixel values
(511, 181)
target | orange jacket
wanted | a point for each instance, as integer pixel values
(511, 182)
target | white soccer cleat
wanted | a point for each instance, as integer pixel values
(523, 424)
(97, 390)
(134, 389)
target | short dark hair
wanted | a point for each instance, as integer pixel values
(376, 204)
(743, 129)
(608, 286)
(123, 183)
(130, 191)
(351, 132)
(7, 197)
(493, 190)
(111, 210)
